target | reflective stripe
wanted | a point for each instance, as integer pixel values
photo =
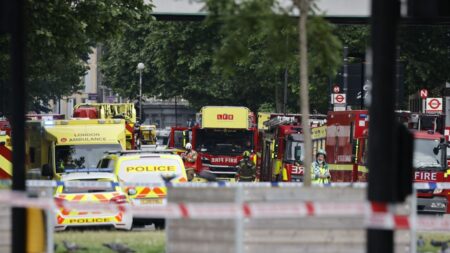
(149, 192)
(284, 174)
(6, 158)
(347, 167)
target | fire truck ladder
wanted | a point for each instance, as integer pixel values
(279, 120)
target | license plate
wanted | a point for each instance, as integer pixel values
(151, 201)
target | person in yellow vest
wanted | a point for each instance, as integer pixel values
(320, 174)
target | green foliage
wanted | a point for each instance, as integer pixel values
(236, 57)
(424, 51)
(59, 37)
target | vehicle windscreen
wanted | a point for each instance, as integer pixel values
(105, 185)
(424, 156)
(224, 143)
(72, 157)
(149, 170)
(294, 151)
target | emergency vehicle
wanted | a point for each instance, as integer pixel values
(147, 134)
(5, 149)
(429, 160)
(221, 135)
(281, 145)
(6, 145)
(107, 191)
(55, 146)
(124, 111)
(282, 150)
(346, 145)
(148, 170)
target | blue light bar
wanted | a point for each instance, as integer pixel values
(89, 170)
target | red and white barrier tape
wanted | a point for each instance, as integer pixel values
(375, 215)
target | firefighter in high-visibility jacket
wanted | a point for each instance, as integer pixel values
(320, 173)
(190, 161)
(246, 169)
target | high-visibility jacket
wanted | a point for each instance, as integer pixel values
(318, 170)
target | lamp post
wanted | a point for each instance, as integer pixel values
(140, 67)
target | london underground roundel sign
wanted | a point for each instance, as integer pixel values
(433, 105)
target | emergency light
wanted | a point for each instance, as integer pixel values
(89, 170)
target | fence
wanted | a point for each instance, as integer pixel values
(264, 217)
(5, 228)
(313, 231)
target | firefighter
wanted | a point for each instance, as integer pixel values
(320, 174)
(190, 160)
(246, 169)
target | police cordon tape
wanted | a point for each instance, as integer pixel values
(97, 184)
(376, 215)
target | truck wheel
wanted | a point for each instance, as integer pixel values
(160, 225)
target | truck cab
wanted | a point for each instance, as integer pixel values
(220, 136)
(430, 166)
(429, 159)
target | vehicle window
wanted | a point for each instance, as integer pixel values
(72, 157)
(424, 157)
(106, 164)
(101, 188)
(224, 143)
(294, 151)
(149, 170)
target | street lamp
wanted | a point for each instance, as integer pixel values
(140, 67)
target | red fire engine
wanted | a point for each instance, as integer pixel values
(281, 145)
(282, 150)
(346, 145)
(429, 159)
(221, 135)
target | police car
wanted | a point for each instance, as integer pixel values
(144, 174)
(93, 188)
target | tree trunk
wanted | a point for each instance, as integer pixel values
(303, 6)
(277, 98)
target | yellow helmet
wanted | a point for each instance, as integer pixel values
(246, 154)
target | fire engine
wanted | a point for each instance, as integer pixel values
(346, 145)
(281, 147)
(124, 111)
(221, 135)
(429, 160)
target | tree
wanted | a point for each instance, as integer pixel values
(60, 36)
(239, 51)
(304, 7)
(423, 50)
